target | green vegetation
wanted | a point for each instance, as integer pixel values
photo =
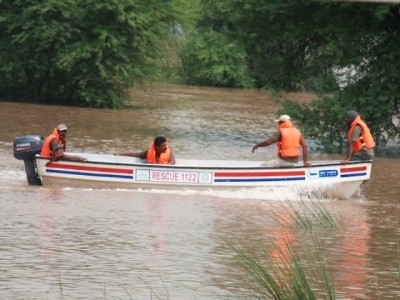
(283, 276)
(92, 53)
(286, 278)
(309, 214)
(84, 53)
(345, 51)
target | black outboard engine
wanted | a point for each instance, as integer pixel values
(25, 148)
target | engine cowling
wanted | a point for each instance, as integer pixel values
(25, 148)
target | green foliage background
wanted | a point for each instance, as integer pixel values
(91, 53)
(85, 53)
(344, 51)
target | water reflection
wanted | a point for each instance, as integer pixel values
(351, 257)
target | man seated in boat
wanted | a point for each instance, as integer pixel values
(361, 142)
(159, 152)
(55, 144)
(288, 140)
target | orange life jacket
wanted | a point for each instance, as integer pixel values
(365, 139)
(290, 142)
(46, 149)
(163, 159)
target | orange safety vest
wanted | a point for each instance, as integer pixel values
(290, 142)
(365, 139)
(46, 150)
(163, 159)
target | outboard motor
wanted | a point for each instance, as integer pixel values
(25, 148)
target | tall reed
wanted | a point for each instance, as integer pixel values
(283, 276)
(286, 278)
(308, 215)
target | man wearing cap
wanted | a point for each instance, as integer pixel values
(361, 142)
(55, 144)
(288, 141)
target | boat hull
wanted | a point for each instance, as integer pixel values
(108, 171)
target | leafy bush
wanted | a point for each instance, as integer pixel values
(214, 60)
(85, 53)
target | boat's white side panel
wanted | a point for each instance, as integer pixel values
(129, 172)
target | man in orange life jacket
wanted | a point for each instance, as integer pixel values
(361, 142)
(159, 152)
(55, 144)
(288, 141)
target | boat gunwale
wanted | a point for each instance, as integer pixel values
(166, 166)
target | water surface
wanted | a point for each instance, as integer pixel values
(73, 243)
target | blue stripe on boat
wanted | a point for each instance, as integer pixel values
(89, 174)
(259, 179)
(353, 174)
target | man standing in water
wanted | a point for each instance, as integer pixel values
(159, 152)
(55, 144)
(288, 141)
(361, 142)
